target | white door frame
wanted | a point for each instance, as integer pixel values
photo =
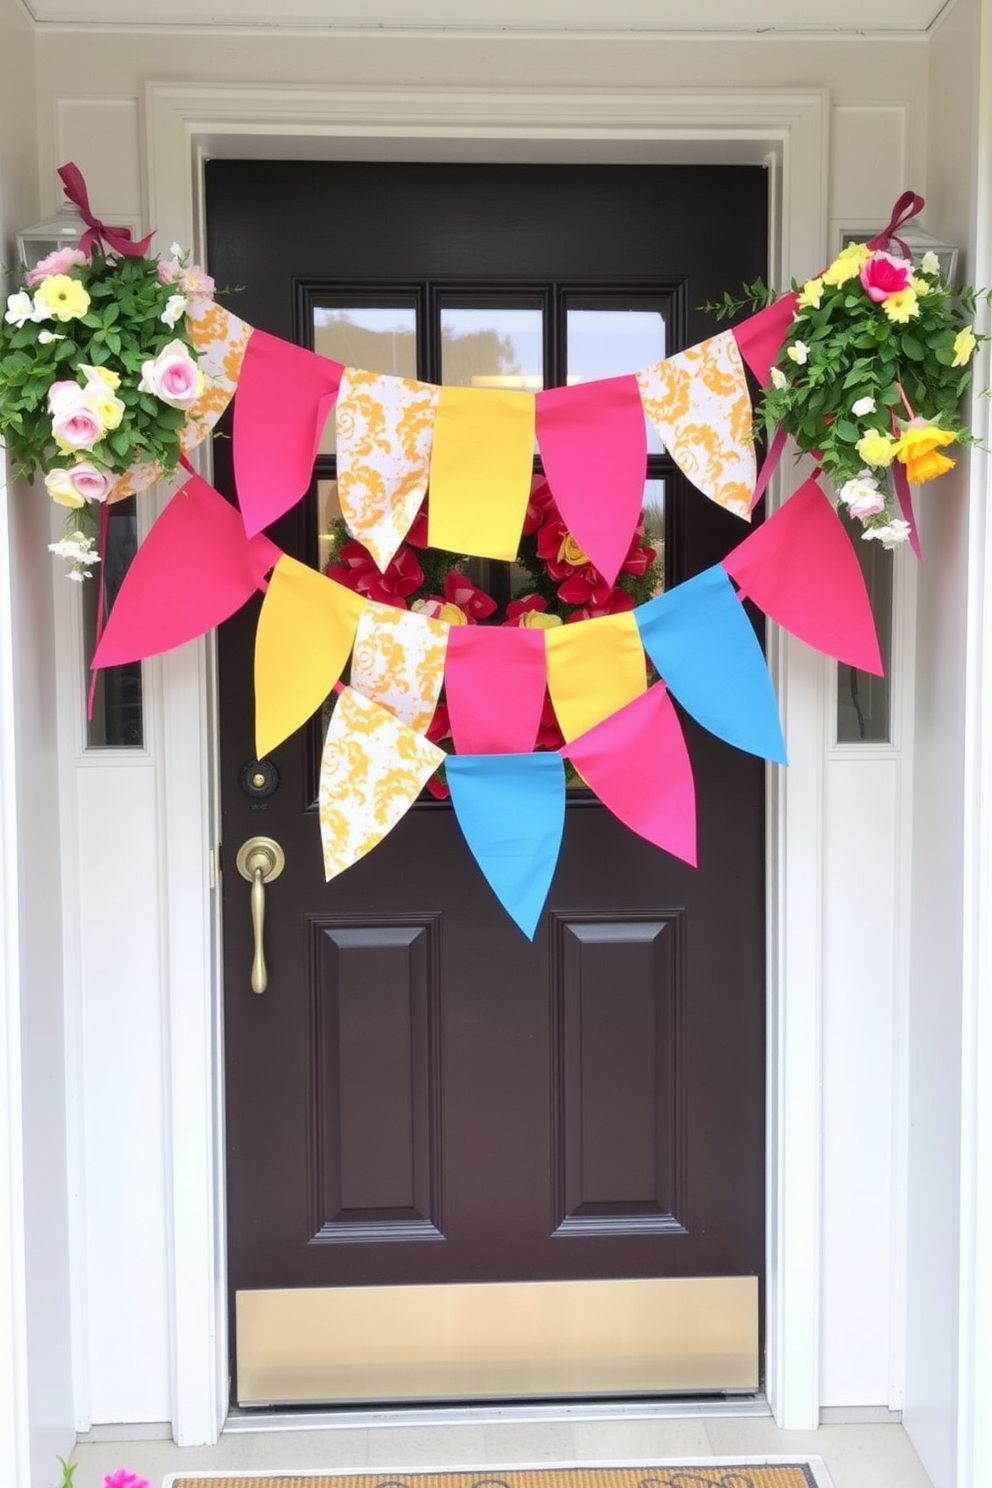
(785, 130)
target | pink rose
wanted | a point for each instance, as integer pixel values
(91, 483)
(173, 376)
(168, 271)
(76, 425)
(58, 262)
(195, 284)
(884, 275)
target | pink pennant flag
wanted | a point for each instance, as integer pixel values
(761, 337)
(593, 442)
(800, 568)
(193, 570)
(494, 681)
(637, 763)
(284, 396)
(903, 494)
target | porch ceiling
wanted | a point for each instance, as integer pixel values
(858, 17)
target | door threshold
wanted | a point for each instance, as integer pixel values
(240, 1420)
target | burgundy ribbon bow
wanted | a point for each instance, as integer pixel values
(906, 208)
(116, 238)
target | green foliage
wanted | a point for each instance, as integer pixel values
(120, 331)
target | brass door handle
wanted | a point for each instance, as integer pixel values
(259, 860)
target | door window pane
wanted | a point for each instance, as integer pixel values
(864, 701)
(117, 721)
(377, 338)
(611, 340)
(496, 346)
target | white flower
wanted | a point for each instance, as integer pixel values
(176, 250)
(895, 532)
(798, 352)
(20, 309)
(46, 337)
(779, 379)
(174, 310)
(863, 406)
(862, 496)
(930, 263)
(79, 548)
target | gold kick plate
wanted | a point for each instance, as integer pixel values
(497, 1340)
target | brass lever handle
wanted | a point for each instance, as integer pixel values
(259, 860)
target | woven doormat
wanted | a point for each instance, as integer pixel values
(714, 1473)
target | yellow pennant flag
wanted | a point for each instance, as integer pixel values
(595, 667)
(305, 633)
(481, 469)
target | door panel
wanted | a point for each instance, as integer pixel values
(422, 1096)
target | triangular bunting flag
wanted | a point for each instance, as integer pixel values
(221, 340)
(593, 442)
(761, 337)
(372, 770)
(705, 649)
(385, 430)
(305, 633)
(398, 662)
(594, 668)
(638, 765)
(699, 403)
(285, 394)
(480, 471)
(494, 685)
(799, 567)
(193, 570)
(511, 809)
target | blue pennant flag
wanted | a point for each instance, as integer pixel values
(511, 809)
(704, 647)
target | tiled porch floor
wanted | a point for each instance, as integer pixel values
(856, 1456)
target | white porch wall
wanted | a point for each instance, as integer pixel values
(35, 1381)
(947, 806)
(89, 110)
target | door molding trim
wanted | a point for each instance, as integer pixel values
(787, 131)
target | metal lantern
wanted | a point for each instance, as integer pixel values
(63, 229)
(918, 242)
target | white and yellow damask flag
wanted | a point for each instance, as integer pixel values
(398, 662)
(372, 770)
(385, 432)
(699, 403)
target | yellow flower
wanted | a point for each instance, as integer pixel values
(811, 294)
(538, 620)
(798, 352)
(452, 614)
(917, 450)
(964, 345)
(902, 306)
(61, 489)
(876, 448)
(848, 264)
(571, 553)
(108, 409)
(101, 374)
(62, 298)
(922, 286)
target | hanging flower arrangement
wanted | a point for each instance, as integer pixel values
(561, 586)
(98, 372)
(871, 376)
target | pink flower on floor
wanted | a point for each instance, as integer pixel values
(122, 1478)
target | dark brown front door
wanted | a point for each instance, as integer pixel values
(422, 1095)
